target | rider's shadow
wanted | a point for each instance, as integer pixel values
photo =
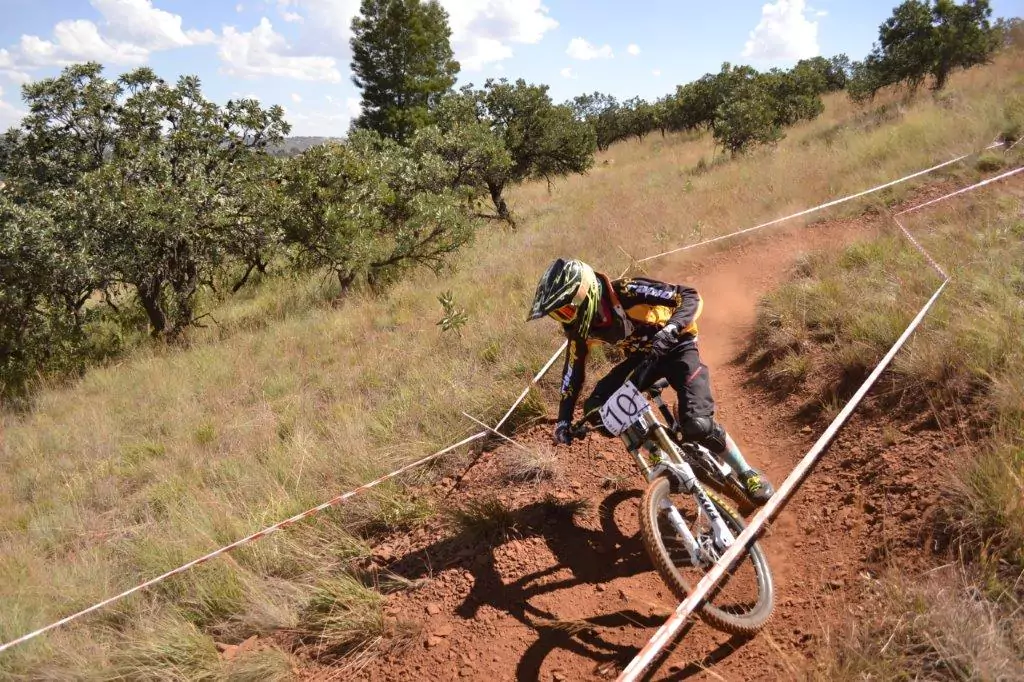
(591, 557)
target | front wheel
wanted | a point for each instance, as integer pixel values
(743, 601)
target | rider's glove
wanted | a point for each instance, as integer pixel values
(563, 436)
(665, 340)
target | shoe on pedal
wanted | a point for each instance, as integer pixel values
(757, 485)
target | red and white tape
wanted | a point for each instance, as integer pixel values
(819, 207)
(675, 622)
(345, 496)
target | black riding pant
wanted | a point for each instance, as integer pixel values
(682, 368)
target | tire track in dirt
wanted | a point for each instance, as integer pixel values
(569, 593)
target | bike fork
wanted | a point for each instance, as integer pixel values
(683, 531)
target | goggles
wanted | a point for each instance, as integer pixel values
(565, 314)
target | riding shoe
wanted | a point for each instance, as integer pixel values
(757, 485)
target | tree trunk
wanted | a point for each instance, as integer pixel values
(149, 294)
(499, 203)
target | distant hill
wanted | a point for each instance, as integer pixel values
(292, 146)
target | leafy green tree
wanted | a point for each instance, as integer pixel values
(747, 118)
(155, 183)
(69, 129)
(602, 113)
(40, 330)
(922, 40)
(639, 117)
(833, 72)
(963, 37)
(794, 95)
(371, 209)
(544, 141)
(403, 62)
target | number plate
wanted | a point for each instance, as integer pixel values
(623, 409)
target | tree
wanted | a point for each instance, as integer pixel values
(639, 117)
(371, 209)
(922, 40)
(747, 118)
(69, 129)
(41, 280)
(834, 71)
(544, 141)
(793, 95)
(602, 113)
(963, 37)
(403, 62)
(155, 187)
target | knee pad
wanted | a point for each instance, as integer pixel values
(706, 431)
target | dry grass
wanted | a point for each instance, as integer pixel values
(968, 357)
(488, 517)
(168, 453)
(533, 466)
(937, 627)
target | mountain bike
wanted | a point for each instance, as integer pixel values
(686, 527)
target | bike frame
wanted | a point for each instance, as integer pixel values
(650, 434)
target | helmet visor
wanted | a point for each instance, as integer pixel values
(565, 314)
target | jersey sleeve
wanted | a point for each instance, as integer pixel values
(573, 375)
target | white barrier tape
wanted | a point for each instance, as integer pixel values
(671, 626)
(828, 204)
(669, 629)
(927, 256)
(287, 522)
(536, 378)
(238, 543)
(997, 178)
(522, 396)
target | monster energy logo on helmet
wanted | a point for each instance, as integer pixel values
(568, 282)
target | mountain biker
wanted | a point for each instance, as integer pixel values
(640, 316)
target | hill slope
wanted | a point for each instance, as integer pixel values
(168, 454)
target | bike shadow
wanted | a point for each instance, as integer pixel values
(583, 556)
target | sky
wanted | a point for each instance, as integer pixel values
(296, 52)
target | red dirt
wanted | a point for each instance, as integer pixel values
(572, 596)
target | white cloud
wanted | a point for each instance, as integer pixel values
(130, 31)
(633, 49)
(656, 73)
(784, 33)
(239, 8)
(483, 31)
(137, 22)
(296, 97)
(567, 73)
(581, 49)
(264, 52)
(354, 106)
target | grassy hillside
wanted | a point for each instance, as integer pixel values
(170, 453)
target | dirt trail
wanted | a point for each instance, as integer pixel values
(570, 593)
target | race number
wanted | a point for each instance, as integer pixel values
(623, 408)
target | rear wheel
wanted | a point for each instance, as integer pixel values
(744, 599)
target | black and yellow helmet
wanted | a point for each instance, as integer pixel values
(569, 291)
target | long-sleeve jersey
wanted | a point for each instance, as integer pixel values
(632, 311)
